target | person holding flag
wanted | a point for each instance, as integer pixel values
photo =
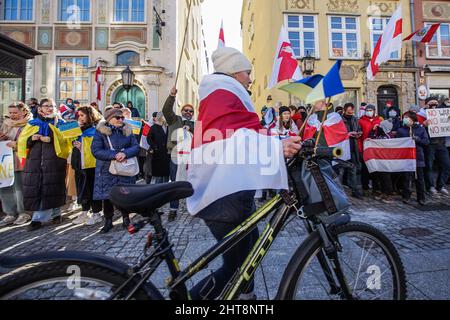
(226, 108)
(46, 151)
(84, 163)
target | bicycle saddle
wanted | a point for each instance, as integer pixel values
(147, 198)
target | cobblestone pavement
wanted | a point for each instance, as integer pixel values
(425, 251)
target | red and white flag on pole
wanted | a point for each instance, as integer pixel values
(145, 132)
(334, 131)
(221, 37)
(421, 116)
(425, 34)
(285, 66)
(231, 151)
(99, 81)
(390, 155)
(389, 42)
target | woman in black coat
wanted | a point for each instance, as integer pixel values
(157, 140)
(44, 187)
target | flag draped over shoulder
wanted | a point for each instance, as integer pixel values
(61, 144)
(228, 141)
(390, 155)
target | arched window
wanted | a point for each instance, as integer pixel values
(128, 58)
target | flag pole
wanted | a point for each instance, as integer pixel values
(184, 42)
(323, 120)
(401, 78)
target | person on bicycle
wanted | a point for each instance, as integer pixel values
(226, 105)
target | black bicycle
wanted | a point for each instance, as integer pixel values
(339, 259)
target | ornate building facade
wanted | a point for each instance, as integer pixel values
(75, 36)
(329, 30)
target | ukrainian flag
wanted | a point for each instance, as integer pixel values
(136, 125)
(303, 87)
(331, 85)
(70, 129)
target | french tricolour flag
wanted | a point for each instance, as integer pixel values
(390, 155)
(231, 151)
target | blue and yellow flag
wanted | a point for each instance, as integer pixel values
(136, 125)
(70, 129)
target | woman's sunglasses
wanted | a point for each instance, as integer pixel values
(119, 118)
(188, 111)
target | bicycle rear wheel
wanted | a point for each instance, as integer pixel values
(371, 266)
(64, 280)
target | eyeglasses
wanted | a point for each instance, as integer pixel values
(119, 118)
(188, 111)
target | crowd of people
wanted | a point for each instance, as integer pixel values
(432, 154)
(53, 163)
(53, 170)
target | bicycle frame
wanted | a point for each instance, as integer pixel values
(242, 277)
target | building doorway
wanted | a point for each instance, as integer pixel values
(386, 94)
(135, 95)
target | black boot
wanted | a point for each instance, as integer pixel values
(34, 225)
(172, 215)
(108, 226)
(126, 222)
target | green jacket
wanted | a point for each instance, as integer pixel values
(175, 122)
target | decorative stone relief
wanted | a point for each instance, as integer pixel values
(45, 11)
(102, 12)
(301, 4)
(45, 38)
(349, 72)
(101, 38)
(436, 10)
(385, 7)
(351, 6)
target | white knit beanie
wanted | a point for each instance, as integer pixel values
(230, 61)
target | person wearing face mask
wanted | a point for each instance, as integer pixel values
(46, 152)
(368, 123)
(436, 151)
(226, 106)
(411, 128)
(393, 115)
(178, 126)
(353, 175)
(68, 110)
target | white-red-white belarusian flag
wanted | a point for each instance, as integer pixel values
(285, 66)
(390, 155)
(389, 42)
(422, 116)
(98, 81)
(231, 152)
(145, 132)
(221, 43)
(334, 131)
(424, 35)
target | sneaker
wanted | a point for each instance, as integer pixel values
(172, 215)
(444, 191)
(433, 191)
(387, 199)
(74, 206)
(126, 223)
(94, 219)
(7, 221)
(22, 219)
(34, 225)
(82, 218)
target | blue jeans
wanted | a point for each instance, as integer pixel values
(439, 153)
(222, 217)
(174, 205)
(46, 215)
(159, 180)
(12, 197)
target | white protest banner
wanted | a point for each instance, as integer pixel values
(440, 122)
(6, 165)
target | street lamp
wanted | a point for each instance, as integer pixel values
(127, 79)
(308, 64)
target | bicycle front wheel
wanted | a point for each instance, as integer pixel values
(370, 264)
(64, 280)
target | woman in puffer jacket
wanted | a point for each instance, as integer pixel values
(124, 146)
